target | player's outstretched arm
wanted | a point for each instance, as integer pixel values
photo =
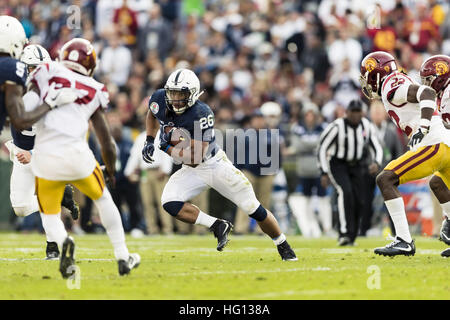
(21, 119)
(106, 141)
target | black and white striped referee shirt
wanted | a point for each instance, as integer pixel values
(344, 142)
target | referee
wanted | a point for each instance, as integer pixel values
(341, 149)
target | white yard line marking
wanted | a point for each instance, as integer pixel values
(43, 259)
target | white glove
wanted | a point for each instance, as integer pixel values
(58, 97)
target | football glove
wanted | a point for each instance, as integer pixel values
(165, 140)
(58, 97)
(418, 136)
(149, 148)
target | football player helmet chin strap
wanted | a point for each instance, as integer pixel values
(182, 90)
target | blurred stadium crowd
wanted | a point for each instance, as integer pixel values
(303, 55)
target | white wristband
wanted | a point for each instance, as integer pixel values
(424, 123)
(427, 104)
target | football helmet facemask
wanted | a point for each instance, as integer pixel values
(182, 90)
(33, 55)
(375, 67)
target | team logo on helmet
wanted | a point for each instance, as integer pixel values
(154, 107)
(370, 64)
(441, 67)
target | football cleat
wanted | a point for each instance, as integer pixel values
(286, 252)
(67, 260)
(397, 247)
(444, 234)
(221, 229)
(446, 253)
(345, 241)
(69, 203)
(52, 251)
(132, 263)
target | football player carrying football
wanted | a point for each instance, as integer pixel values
(204, 163)
(435, 72)
(411, 107)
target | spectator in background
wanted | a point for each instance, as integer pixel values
(125, 192)
(304, 143)
(315, 57)
(343, 49)
(152, 178)
(253, 167)
(156, 35)
(116, 61)
(272, 115)
(384, 36)
(344, 82)
(126, 23)
(421, 29)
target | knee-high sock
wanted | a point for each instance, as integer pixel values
(446, 209)
(110, 217)
(54, 228)
(48, 236)
(396, 208)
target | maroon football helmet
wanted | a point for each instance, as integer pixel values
(375, 67)
(79, 55)
(435, 72)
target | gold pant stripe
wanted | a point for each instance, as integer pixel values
(99, 178)
(100, 174)
(414, 156)
(425, 157)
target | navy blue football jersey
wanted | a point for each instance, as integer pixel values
(10, 70)
(198, 120)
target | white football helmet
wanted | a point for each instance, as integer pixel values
(182, 81)
(12, 36)
(34, 54)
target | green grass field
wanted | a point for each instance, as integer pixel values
(189, 268)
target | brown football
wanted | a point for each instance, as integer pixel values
(178, 135)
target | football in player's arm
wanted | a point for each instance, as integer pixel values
(182, 117)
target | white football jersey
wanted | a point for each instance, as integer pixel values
(406, 115)
(444, 105)
(61, 133)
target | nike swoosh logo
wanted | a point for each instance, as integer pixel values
(405, 249)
